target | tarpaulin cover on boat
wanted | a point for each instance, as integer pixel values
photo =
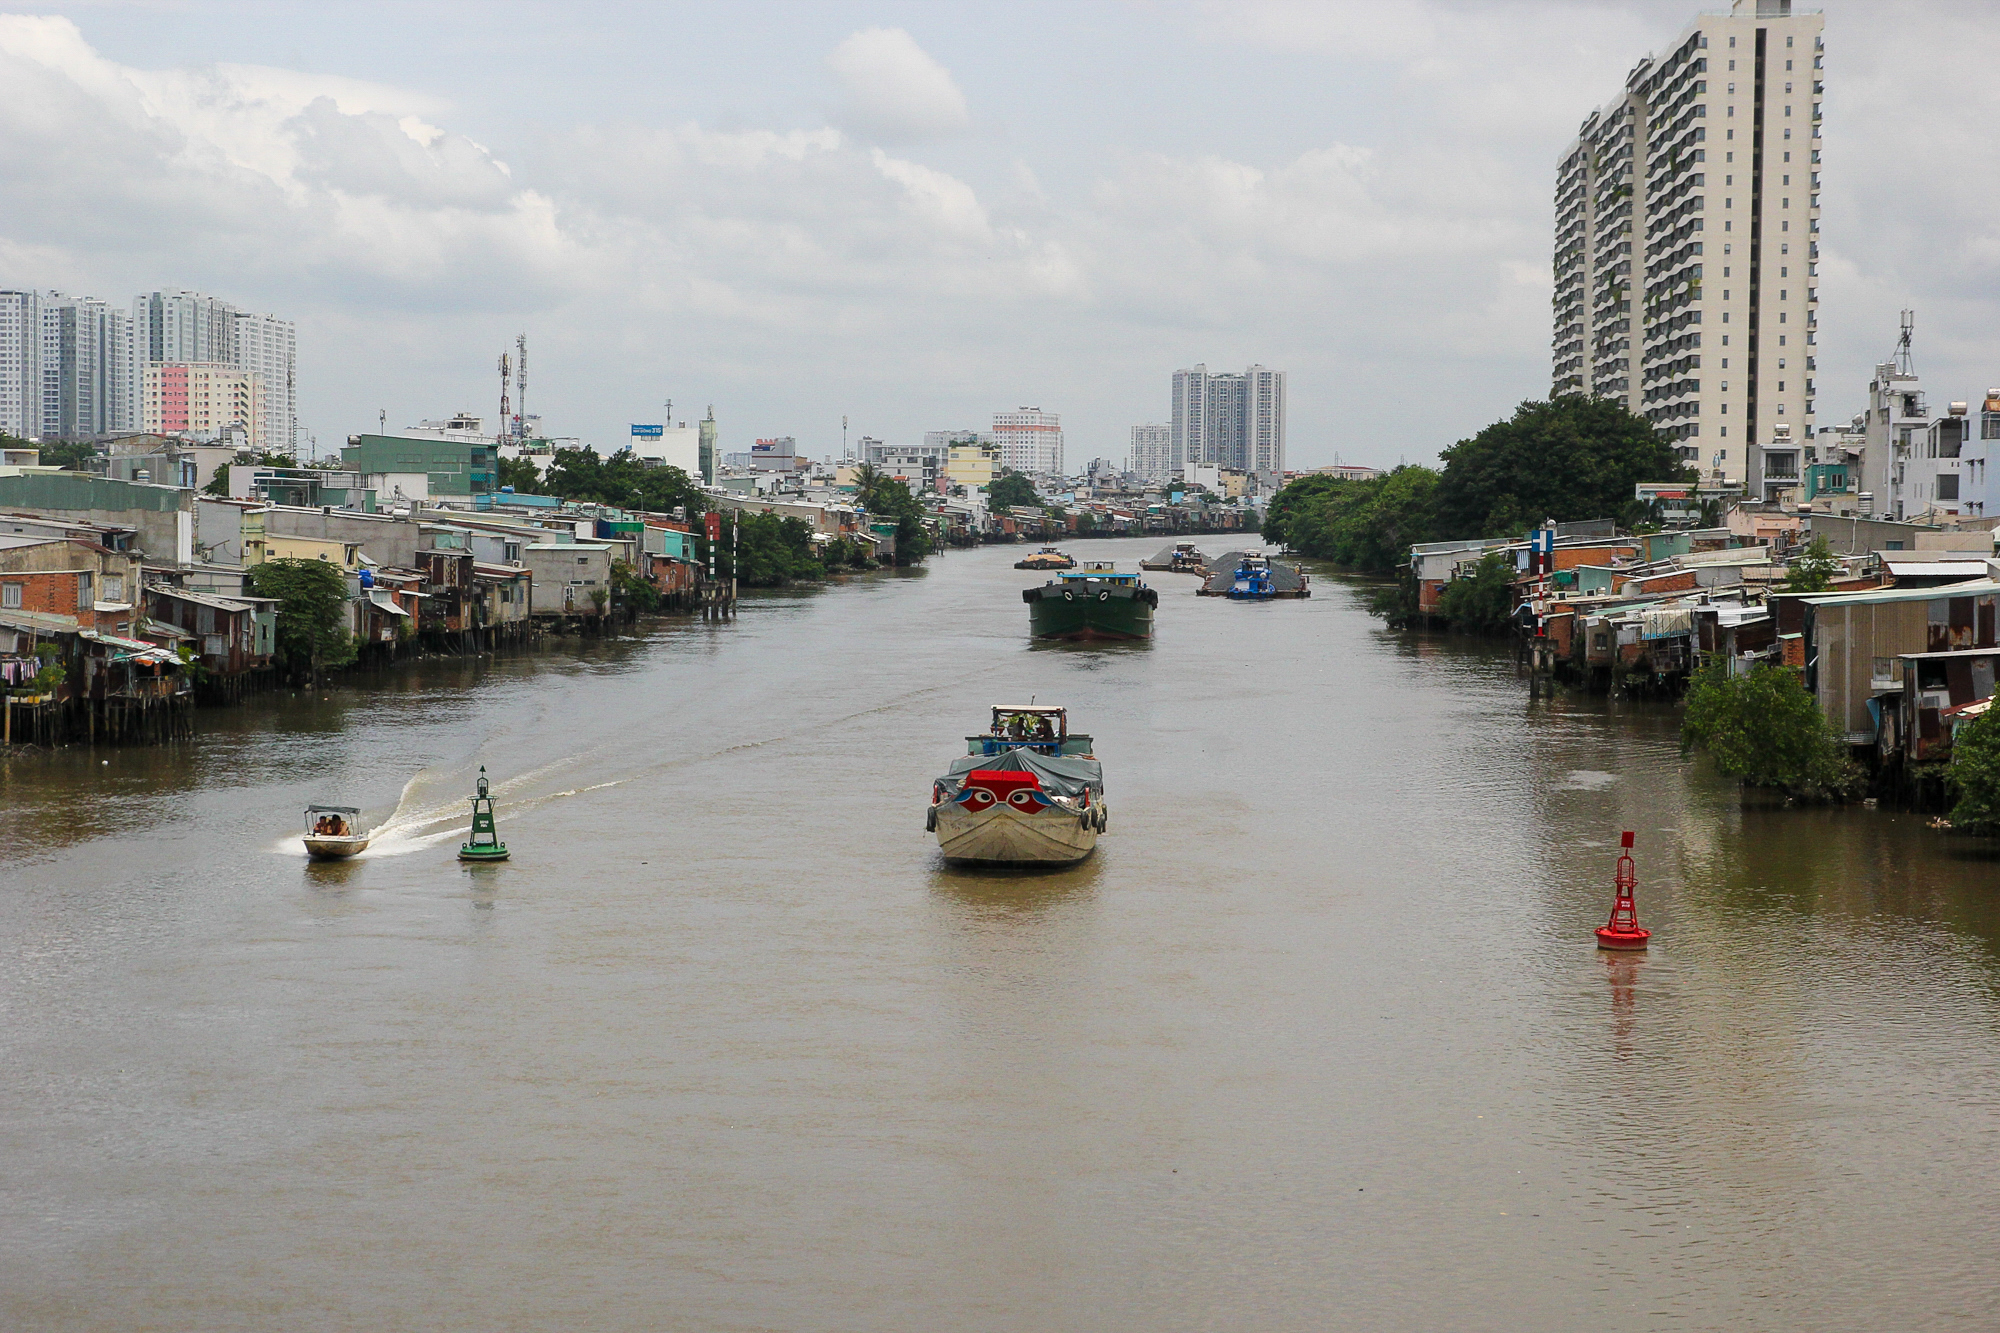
(1065, 775)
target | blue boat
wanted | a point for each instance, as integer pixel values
(1252, 581)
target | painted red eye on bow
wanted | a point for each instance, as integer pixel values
(1026, 799)
(975, 798)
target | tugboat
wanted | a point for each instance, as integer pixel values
(1047, 558)
(1027, 792)
(333, 832)
(1094, 602)
(1252, 580)
(1180, 558)
(484, 844)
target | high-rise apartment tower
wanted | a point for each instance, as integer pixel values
(1687, 243)
(1230, 420)
(1030, 440)
(1153, 452)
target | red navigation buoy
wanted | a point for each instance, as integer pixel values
(1623, 930)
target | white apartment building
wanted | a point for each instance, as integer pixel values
(21, 363)
(194, 328)
(1229, 420)
(1686, 245)
(1153, 456)
(1030, 440)
(87, 384)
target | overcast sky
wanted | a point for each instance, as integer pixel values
(916, 214)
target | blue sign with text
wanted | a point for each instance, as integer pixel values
(648, 432)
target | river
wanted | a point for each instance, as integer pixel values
(1318, 1039)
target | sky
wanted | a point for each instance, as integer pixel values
(913, 215)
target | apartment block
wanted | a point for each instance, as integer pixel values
(1229, 419)
(1153, 456)
(203, 400)
(21, 363)
(192, 328)
(86, 368)
(1687, 243)
(1030, 440)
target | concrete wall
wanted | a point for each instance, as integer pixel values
(566, 574)
(163, 516)
(384, 539)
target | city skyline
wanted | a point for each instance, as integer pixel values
(412, 226)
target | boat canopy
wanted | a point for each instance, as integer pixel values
(333, 809)
(1064, 775)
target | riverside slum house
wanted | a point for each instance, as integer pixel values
(1898, 669)
(124, 600)
(71, 656)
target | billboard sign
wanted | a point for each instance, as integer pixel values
(647, 432)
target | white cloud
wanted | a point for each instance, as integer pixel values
(893, 90)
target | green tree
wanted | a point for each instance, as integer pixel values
(1765, 729)
(1367, 524)
(891, 498)
(1975, 774)
(1568, 459)
(1011, 489)
(1482, 601)
(579, 474)
(630, 591)
(770, 551)
(1814, 569)
(312, 597)
(73, 455)
(521, 474)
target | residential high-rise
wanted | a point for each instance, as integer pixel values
(202, 399)
(21, 363)
(87, 384)
(1687, 243)
(1030, 440)
(1153, 455)
(1230, 420)
(194, 328)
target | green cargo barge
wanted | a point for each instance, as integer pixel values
(1094, 602)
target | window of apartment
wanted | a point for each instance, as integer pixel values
(114, 588)
(83, 592)
(10, 593)
(583, 560)
(214, 645)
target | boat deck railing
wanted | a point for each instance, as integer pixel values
(988, 744)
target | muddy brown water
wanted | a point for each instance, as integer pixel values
(1317, 1039)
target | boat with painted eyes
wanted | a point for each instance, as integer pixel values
(1027, 792)
(1092, 602)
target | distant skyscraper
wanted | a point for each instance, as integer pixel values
(21, 363)
(1153, 452)
(87, 384)
(1030, 440)
(194, 328)
(1230, 420)
(1687, 220)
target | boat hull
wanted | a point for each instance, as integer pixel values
(1004, 837)
(1115, 612)
(334, 849)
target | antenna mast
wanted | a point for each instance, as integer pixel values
(521, 387)
(506, 374)
(1904, 366)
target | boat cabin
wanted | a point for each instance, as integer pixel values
(1099, 571)
(1043, 728)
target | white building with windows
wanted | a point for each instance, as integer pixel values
(1153, 456)
(195, 328)
(1030, 440)
(1233, 420)
(1687, 243)
(88, 382)
(21, 363)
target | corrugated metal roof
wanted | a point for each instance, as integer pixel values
(216, 600)
(1875, 596)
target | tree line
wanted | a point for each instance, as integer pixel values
(1567, 459)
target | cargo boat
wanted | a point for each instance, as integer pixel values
(1027, 792)
(1093, 602)
(1047, 558)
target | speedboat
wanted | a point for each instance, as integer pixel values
(1027, 792)
(333, 832)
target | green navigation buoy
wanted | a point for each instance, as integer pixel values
(485, 844)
